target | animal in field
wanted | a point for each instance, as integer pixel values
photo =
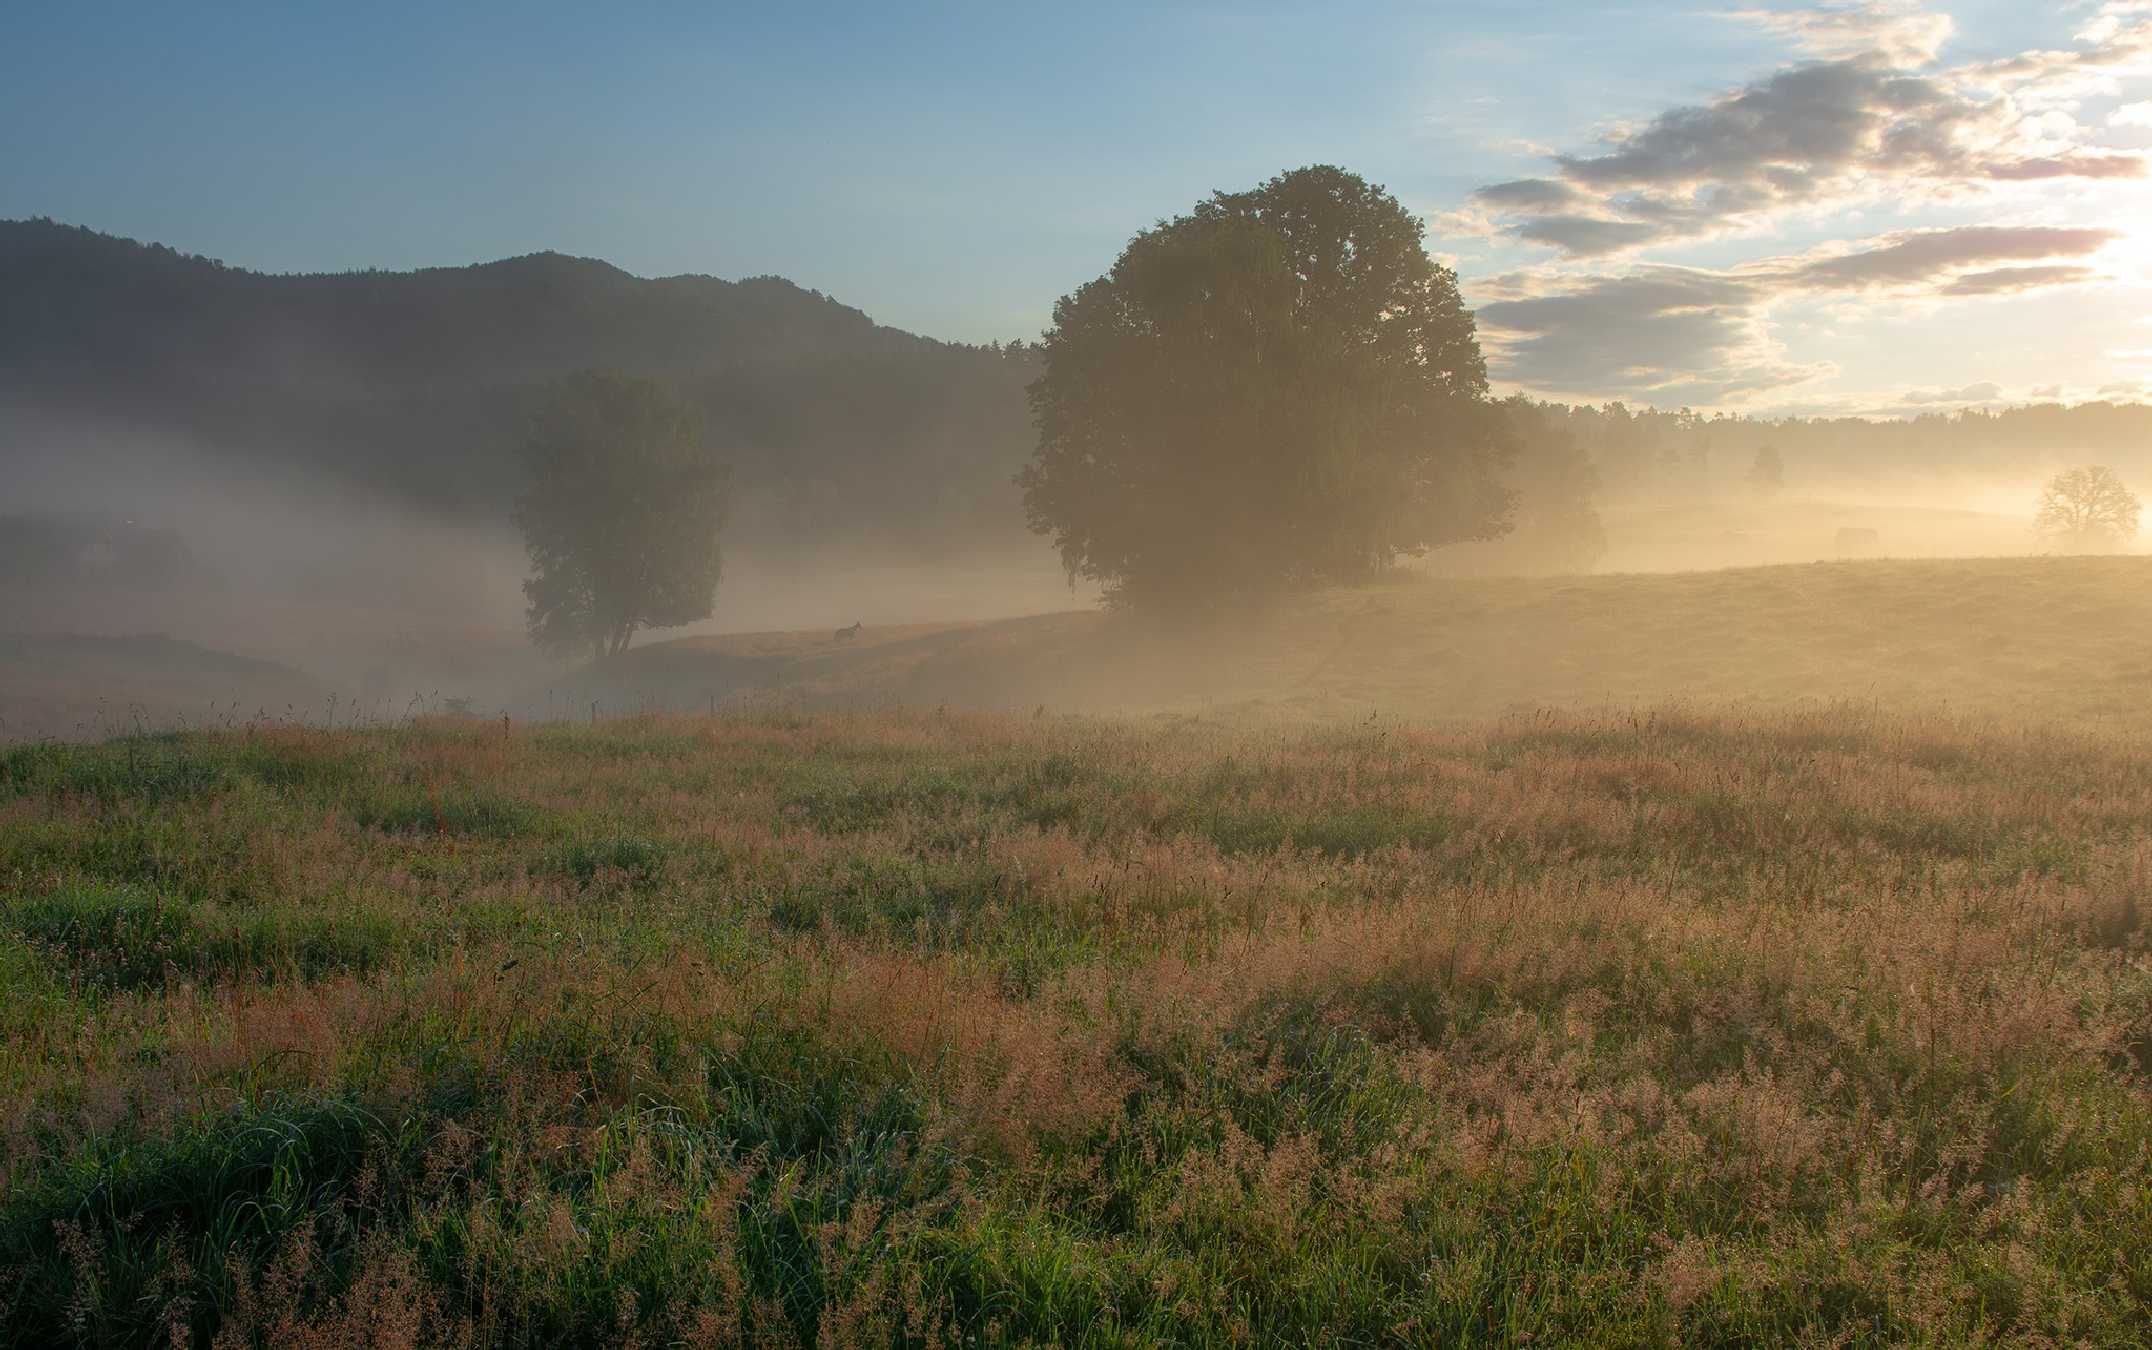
(846, 634)
(1856, 541)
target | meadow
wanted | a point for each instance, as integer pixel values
(1693, 1025)
(1989, 637)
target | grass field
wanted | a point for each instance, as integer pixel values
(1826, 1025)
(88, 687)
(2062, 639)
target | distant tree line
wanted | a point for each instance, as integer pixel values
(1643, 453)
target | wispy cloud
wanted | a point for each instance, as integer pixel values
(1920, 256)
(1901, 32)
(1668, 331)
(1985, 392)
(1661, 331)
(1869, 118)
(2010, 280)
(1868, 114)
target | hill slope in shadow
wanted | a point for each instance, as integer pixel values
(412, 385)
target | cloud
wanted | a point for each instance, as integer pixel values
(2010, 280)
(2069, 166)
(1869, 116)
(1986, 392)
(1533, 194)
(1901, 31)
(1585, 236)
(1781, 135)
(1923, 255)
(1655, 329)
(2113, 20)
(2116, 42)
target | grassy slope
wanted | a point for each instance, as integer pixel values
(95, 686)
(2063, 638)
(1829, 1026)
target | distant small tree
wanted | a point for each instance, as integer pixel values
(1767, 475)
(2087, 510)
(622, 514)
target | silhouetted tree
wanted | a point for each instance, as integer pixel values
(1767, 474)
(1279, 387)
(622, 514)
(2087, 510)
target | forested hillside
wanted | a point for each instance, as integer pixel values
(414, 383)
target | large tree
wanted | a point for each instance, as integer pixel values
(1280, 387)
(622, 514)
(2087, 510)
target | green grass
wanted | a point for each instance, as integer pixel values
(1681, 1027)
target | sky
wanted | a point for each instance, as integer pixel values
(1878, 207)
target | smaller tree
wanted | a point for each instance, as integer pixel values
(2087, 510)
(622, 514)
(1767, 475)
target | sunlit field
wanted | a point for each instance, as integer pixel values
(1667, 1026)
(1992, 637)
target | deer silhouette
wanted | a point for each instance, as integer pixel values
(846, 634)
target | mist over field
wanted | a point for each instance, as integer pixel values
(299, 486)
(1097, 676)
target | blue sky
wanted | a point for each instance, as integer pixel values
(953, 168)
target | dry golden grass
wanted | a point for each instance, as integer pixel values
(2054, 639)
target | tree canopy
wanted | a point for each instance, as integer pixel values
(1280, 387)
(2087, 510)
(622, 513)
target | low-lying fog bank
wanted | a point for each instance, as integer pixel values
(213, 593)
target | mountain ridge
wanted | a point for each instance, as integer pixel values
(414, 384)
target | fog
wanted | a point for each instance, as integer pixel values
(381, 606)
(384, 608)
(874, 548)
